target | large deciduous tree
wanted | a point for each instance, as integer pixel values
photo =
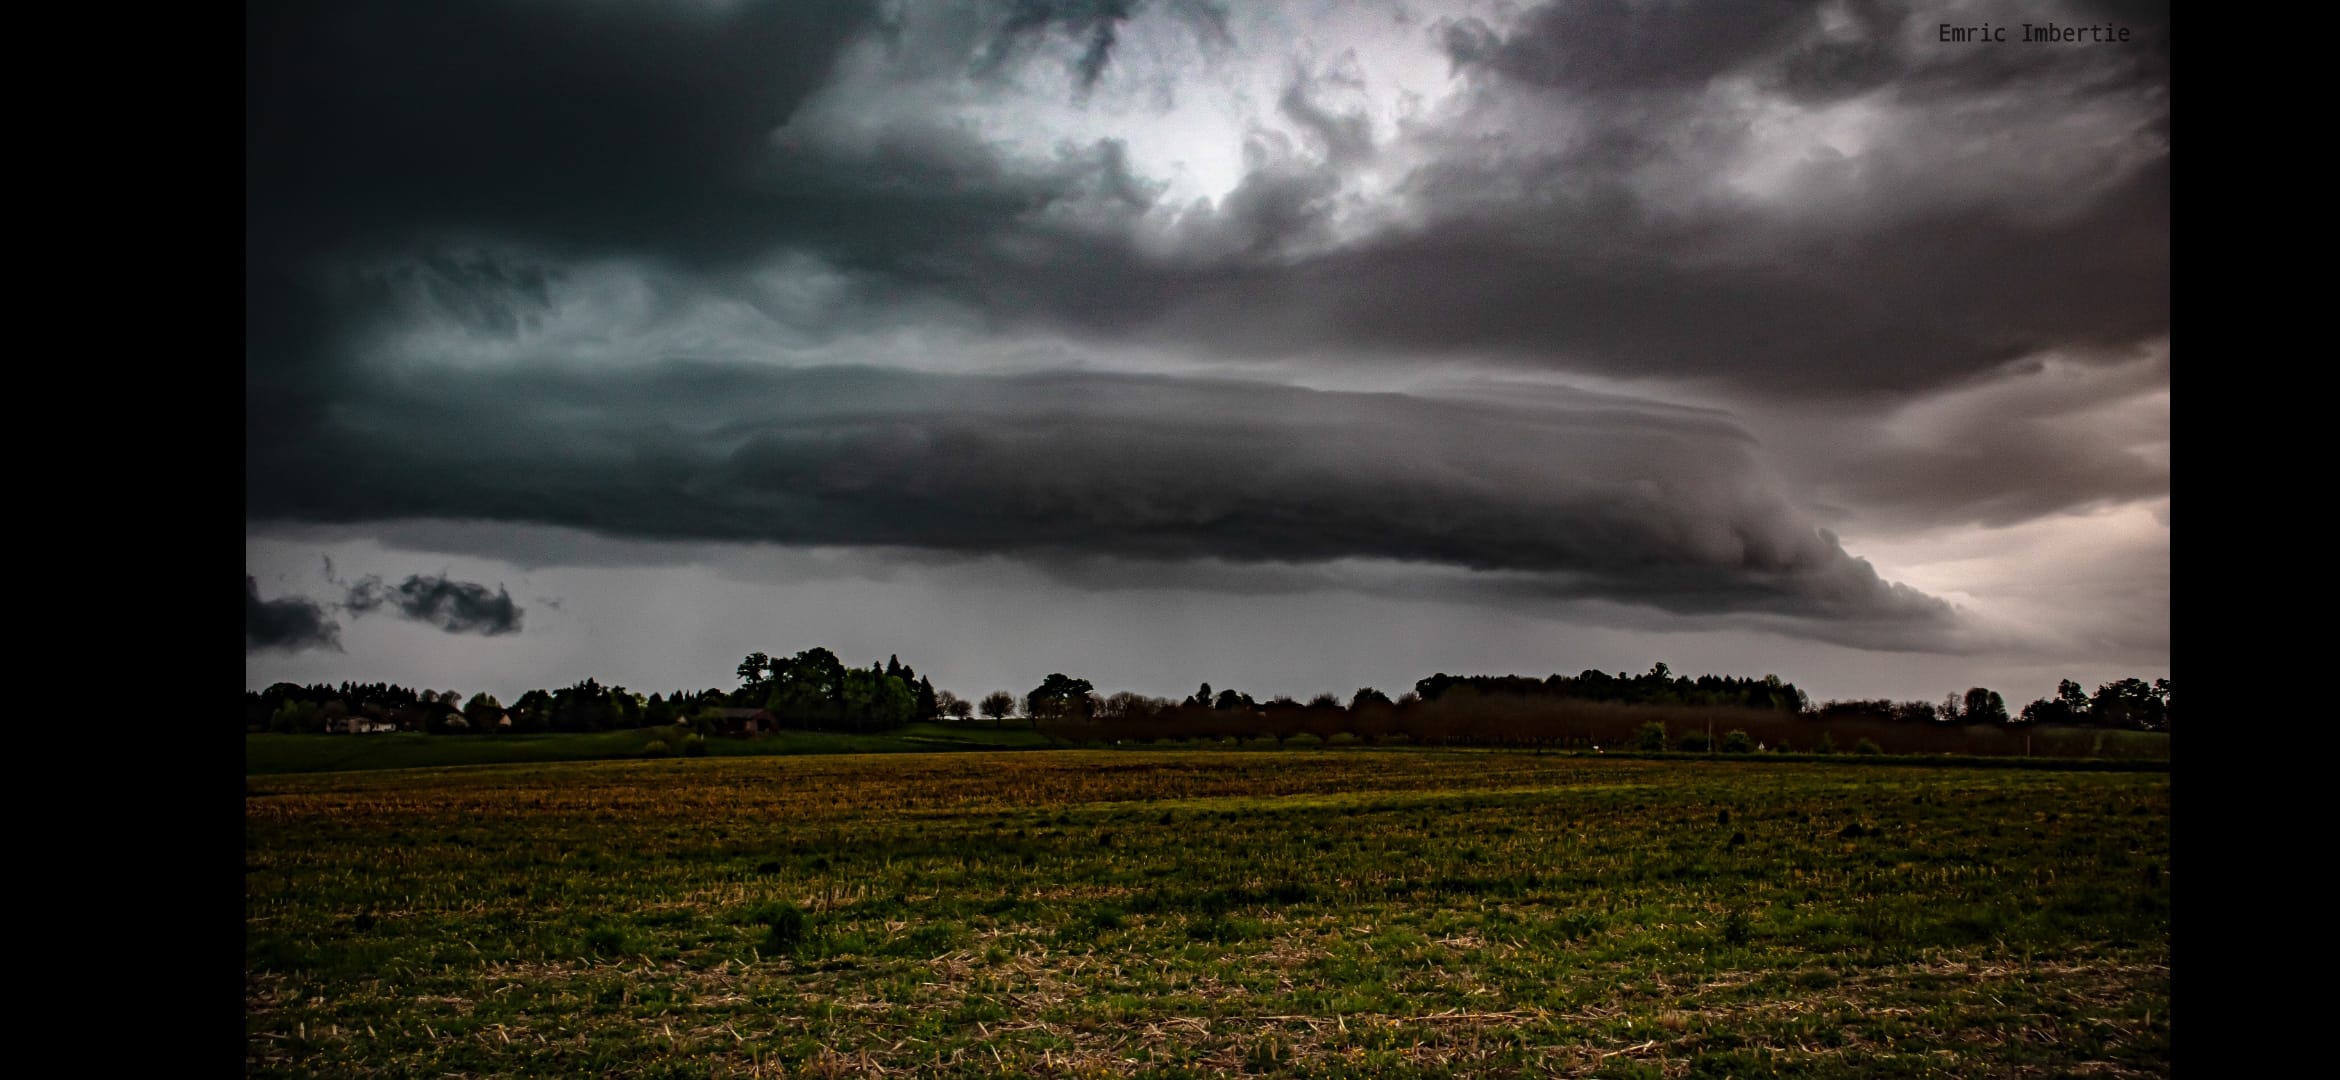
(1059, 697)
(1984, 706)
(754, 671)
(2130, 703)
(483, 710)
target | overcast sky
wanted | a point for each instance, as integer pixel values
(1291, 347)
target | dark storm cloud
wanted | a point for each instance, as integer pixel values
(396, 135)
(458, 607)
(480, 292)
(1560, 254)
(1620, 46)
(382, 138)
(651, 131)
(373, 126)
(394, 131)
(287, 623)
(1947, 294)
(1603, 497)
(1096, 24)
(1616, 45)
(618, 121)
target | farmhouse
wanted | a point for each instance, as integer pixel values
(357, 725)
(745, 721)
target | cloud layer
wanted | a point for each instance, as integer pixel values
(1766, 197)
(1203, 288)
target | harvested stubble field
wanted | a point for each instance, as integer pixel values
(1342, 913)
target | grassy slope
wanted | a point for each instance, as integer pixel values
(1181, 914)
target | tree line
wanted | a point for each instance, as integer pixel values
(586, 706)
(815, 690)
(812, 689)
(1591, 710)
(2126, 703)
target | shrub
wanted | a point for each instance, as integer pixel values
(1738, 742)
(1695, 742)
(694, 746)
(606, 940)
(657, 748)
(1866, 747)
(783, 927)
(1653, 736)
(1827, 744)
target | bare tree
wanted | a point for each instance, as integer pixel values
(998, 705)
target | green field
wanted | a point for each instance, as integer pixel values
(1306, 913)
(265, 754)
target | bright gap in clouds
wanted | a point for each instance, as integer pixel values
(1187, 108)
(2092, 582)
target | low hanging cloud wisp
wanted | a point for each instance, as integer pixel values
(286, 624)
(457, 607)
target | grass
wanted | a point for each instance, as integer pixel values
(271, 754)
(277, 754)
(1305, 913)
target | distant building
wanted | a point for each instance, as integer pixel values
(357, 725)
(745, 721)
